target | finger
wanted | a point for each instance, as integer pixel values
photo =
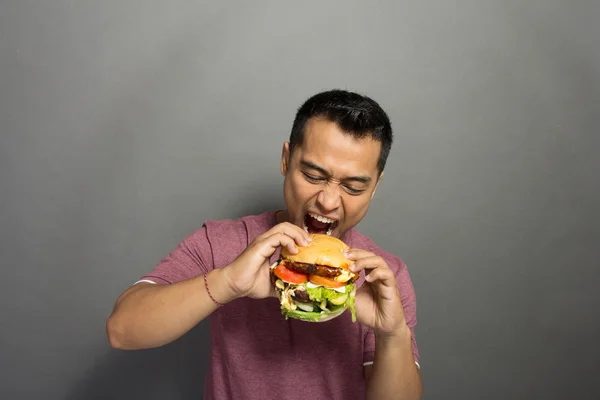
(383, 275)
(370, 262)
(281, 239)
(300, 236)
(357, 254)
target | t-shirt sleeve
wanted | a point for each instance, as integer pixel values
(409, 303)
(192, 257)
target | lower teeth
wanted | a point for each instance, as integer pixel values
(329, 231)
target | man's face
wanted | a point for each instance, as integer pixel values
(331, 175)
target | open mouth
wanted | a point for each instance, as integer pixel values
(314, 223)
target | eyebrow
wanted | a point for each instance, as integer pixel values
(311, 165)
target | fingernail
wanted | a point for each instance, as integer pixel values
(346, 253)
(352, 267)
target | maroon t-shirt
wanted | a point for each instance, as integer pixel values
(255, 353)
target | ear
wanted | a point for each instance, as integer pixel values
(285, 158)
(377, 184)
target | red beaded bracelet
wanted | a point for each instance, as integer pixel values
(208, 291)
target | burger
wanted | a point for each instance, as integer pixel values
(315, 285)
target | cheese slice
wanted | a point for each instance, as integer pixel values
(344, 276)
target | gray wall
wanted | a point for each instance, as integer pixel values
(125, 125)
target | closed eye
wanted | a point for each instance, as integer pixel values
(319, 179)
(353, 191)
(313, 178)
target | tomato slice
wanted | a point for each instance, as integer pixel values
(327, 282)
(287, 275)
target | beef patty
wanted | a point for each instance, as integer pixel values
(313, 269)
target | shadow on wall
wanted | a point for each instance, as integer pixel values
(174, 371)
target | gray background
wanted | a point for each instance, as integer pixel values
(124, 125)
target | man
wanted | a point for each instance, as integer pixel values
(332, 166)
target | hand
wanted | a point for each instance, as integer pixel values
(378, 304)
(248, 275)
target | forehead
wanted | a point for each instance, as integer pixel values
(341, 153)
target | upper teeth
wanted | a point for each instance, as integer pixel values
(322, 219)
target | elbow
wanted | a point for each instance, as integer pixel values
(114, 332)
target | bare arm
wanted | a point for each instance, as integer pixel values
(148, 315)
(394, 374)
(151, 315)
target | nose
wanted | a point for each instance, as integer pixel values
(328, 199)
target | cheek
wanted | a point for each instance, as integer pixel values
(303, 190)
(356, 208)
(298, 191)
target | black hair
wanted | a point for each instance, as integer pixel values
(355, 114)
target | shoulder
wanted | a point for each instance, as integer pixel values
(224, 230)
(227, 238)
(240, 229)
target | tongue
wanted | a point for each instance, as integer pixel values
(316, 226)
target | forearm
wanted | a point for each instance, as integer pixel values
(395, 374)
(148, 315)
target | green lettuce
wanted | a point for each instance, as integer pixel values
(303, 315)
(321, 293)
(350, 303)
(318, 295)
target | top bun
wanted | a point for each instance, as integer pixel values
(323, 250)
